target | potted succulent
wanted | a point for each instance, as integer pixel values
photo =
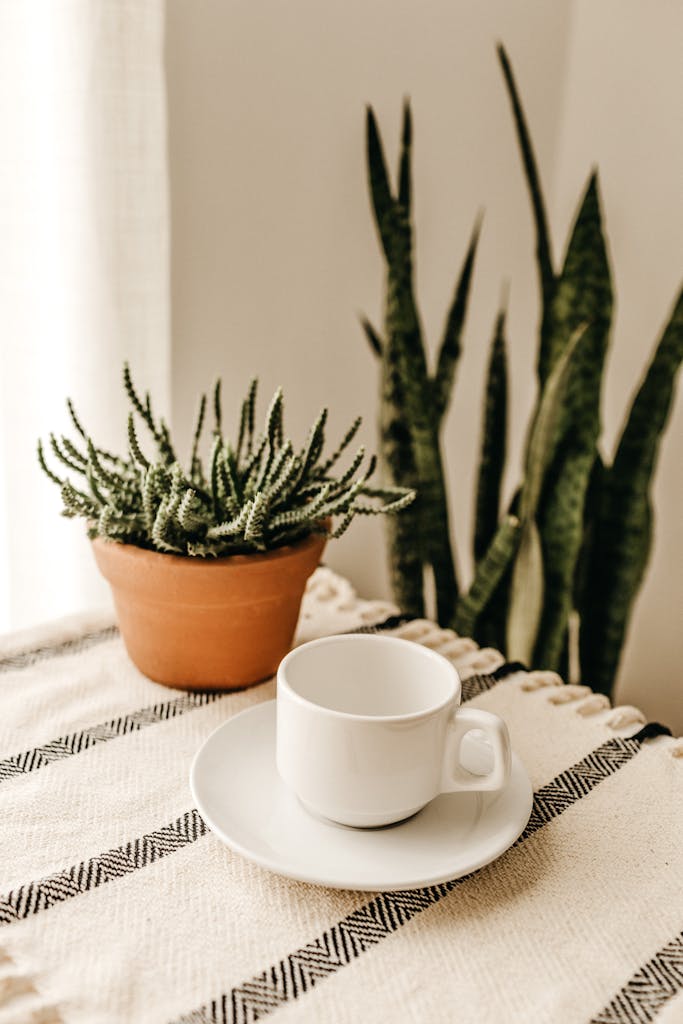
(208, 565)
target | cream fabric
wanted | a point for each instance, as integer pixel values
(84, 264)
(551, 932)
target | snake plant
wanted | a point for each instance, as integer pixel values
(257, 493)
(572, 545)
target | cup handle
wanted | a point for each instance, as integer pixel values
(455, 776)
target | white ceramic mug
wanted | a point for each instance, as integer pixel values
(369, 729)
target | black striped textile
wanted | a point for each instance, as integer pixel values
(643, 995)
(339, 946)
(549, 802)
(102, 732)
(649, 990)
(25, 659)
(77, 742)
(35, 897)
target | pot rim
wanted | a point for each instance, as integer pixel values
(166, 558)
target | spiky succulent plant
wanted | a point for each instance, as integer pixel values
(257, 494)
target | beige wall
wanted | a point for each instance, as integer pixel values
(273, 246)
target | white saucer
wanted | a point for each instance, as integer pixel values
(240, 796)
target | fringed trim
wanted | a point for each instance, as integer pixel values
(470, 660)
(19, 997)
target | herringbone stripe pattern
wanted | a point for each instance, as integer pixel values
(27, 658)
(299, 972)
(91, 874)
(568, 787)
(474, 685)
(650, 988)
(77, 742)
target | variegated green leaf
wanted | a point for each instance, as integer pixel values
(489, 572)
(544, 259)
(404, 171)
(378, 176)
(451, 345)
(624, 527)
(526, 596)
(544, 430)
(583, 295)
(493, 444)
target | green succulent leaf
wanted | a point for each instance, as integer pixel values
(372, 335)
(135, 450)
(194, 460)
(217, 408)
(260, 494)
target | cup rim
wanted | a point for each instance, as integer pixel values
(454, 698)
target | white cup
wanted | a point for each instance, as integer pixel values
(369, 729)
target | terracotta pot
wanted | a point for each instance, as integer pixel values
(202, 624)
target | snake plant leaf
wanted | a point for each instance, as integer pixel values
(583, 294)
(432, 505)
(405, 353)
(380, 190)
(411, 447)
(403, 533)
(544, 429)
(489, 572)
(493, 443)
(526, 595)
(491, 626)
(420, 537)
(624, 528)
(403, 330)
(583, 577)
(407, 374)
(451, 347)
(544, 257)
(404, 175)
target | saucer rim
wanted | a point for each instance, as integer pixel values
(509, 837)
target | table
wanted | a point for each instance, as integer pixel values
(118, 905)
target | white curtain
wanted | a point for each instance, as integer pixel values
(84, 264)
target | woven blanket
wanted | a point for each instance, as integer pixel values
(118, 905)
